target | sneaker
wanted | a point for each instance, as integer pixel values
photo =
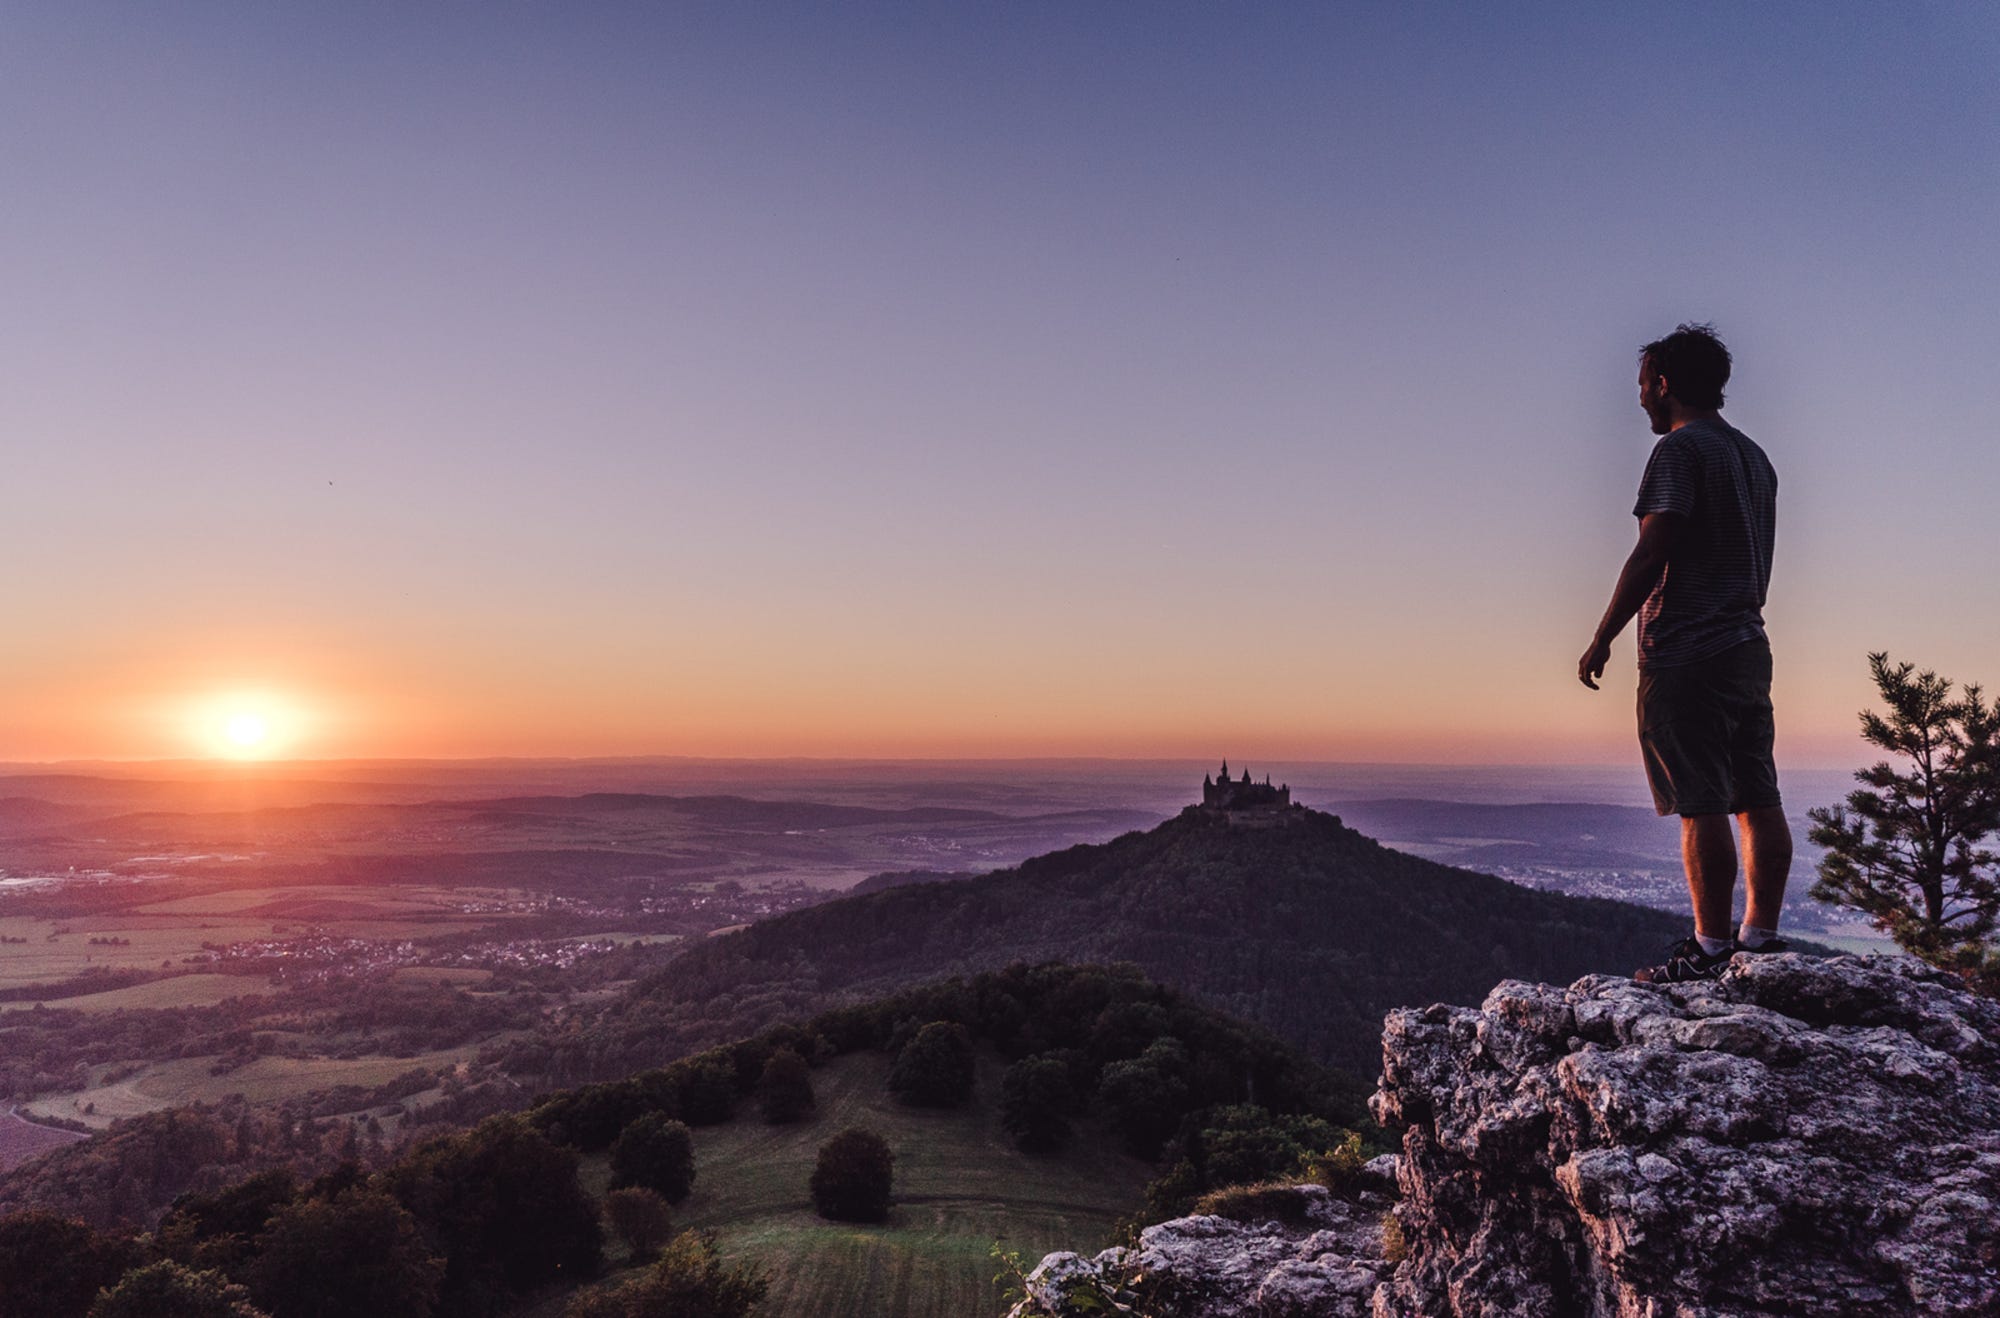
(1686, 961)
(1768, 945)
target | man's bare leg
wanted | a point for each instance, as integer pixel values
(1767, 853)
(1709, 854)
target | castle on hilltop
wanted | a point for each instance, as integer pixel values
(1232, 795)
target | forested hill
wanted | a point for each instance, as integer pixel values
(1310, 929)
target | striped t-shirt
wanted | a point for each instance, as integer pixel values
(1711, 597)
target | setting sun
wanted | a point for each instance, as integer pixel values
(245, 725)
(247, 731)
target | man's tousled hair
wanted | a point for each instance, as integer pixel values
(1694, 361)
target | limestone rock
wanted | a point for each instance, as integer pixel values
(1329, 1264)
(1801, 1137)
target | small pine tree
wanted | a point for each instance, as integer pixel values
(852, 1180)
(1905, 848)
(785, 1092)
(657, 1152)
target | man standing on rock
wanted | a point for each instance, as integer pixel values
(1696, 580)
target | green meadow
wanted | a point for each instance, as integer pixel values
(960, 1186)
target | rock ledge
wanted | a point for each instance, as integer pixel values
(1800, 1137)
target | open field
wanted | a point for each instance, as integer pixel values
(175, 991)
(265, 1080)
(173, 930)
(61, 949)
(960, 1186)
(21, 1140)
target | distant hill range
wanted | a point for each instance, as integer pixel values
(1285, 917)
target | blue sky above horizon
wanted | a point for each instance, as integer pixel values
(1005, 379)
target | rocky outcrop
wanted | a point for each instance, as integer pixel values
(1326, 1260)
(1800, 1137)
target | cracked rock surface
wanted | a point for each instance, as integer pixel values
(1801, 1137)
(1330, 1264)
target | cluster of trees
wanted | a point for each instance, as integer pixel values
(1210, 1098)
(1081, 1039)
(125, 1176)
(1908, 848)
(459, 1226)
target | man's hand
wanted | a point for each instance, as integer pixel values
(1659, 534)
(1591, 666)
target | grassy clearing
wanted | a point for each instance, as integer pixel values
(21, 1140)
(178, 991)
(50, 956)
(265, 1080)
(960, 1186)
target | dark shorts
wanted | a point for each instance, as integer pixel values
(1705, 732)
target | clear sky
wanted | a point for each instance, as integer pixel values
(963, 379)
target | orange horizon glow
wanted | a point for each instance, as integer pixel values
(319, 698)
(268, 724)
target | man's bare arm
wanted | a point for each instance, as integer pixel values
(1659, 534)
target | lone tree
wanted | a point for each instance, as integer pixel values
(641, 1219)
(1906, 847)
(936, 1068)
(851, 1181)
(657, 1152)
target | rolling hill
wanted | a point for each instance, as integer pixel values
(1310, 929)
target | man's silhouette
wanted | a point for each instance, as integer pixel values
(1707, 511)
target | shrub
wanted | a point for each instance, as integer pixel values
(851, 1181)
(656, 1152)
(935, 1069)
(689, 1281)
(1339, 1168)
(641, 1219)
(168, 1290)
(1264, 1201)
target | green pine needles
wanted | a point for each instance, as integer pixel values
(1908, 847)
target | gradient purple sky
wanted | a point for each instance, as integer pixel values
(1097, 379)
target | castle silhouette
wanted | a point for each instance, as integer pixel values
(1226, 793)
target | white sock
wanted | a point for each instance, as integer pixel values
(1751, 935)
(1712, 946)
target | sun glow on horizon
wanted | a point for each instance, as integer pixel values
(248, 725)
